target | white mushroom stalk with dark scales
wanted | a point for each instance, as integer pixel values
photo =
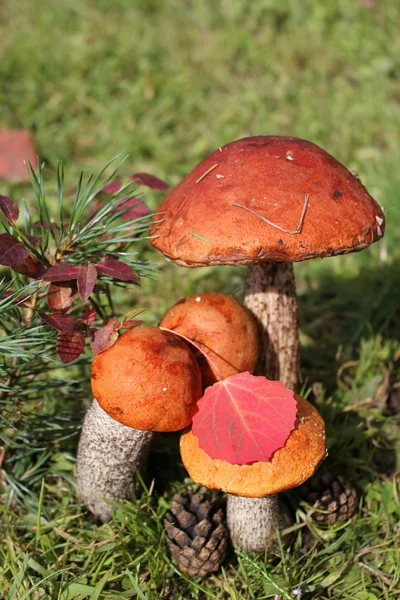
(266, 202)
(147, 381)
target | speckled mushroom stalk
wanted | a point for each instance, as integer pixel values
(109, 457)
(254, 519)
(270, 295)
(148, 381)
(253, 522)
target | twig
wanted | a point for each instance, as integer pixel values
(207, 172)
(299, 226)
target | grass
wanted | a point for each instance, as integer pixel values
(167, 82)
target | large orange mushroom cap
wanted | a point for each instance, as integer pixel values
(222, 327)
(288, 467)
(147, 380)
(198, 223)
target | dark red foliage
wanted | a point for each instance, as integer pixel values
(106, 336)
(32, 267)
(115, 268)
(139, 209)
(62, 272)
(89, 315)
(86, 281)
(59, 296)
(150, 181)
(59, 321)
(12, 252)
(9, 208)
(70, 345)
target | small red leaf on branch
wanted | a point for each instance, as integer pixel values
(32, 267)
(23, 301)
(86, 281)
(115, 268)
(59, 296)
(106, 336)
(12, 252)
(244, 418)
(70, 345)
(112, 187)
(89, 315)
(59, 321)
(150, 181)
(9, 208)
(139, 209)
(62, 272)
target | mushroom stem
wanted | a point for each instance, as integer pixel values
(108, 458)
(271, 297)
(253, 522)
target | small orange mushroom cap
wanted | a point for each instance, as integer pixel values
(222, 327)
(288, 467)
(147, 380)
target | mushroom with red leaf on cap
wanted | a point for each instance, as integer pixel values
(147, 381)
(266, 202)
(253, 512)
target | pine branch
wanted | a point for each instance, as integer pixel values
(63, 264)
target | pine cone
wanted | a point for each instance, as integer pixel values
(332, 495)
(196, 533)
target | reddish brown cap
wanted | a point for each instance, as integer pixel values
(199, 223)
(222, 327)
(147, 380)
(289, 466)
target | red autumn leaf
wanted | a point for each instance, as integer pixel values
(244, 418)
(112, 187)
(23, 301)
(16, 149)
(62, 272)
(105, 337)
(59, 321)
(89, 315)
(150, 181)
(32, 267)
(12, 252)
(139, 209)
(59, 296)
(70, 345)
(9, 208)
(86, 280)
(115, 268)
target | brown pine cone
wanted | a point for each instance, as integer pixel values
(335, 498)
(196, 533)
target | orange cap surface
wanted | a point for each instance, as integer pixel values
(222, 327)
(147, 380)
(199, 224)
(289, 466)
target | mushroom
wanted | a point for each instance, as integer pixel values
(266, 202)
(253, 513)
(147, 381)
(222, 327)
